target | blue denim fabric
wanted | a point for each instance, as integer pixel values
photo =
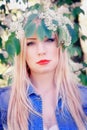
(64, 119)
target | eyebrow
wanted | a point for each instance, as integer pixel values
(31, 38)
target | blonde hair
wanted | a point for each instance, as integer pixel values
(20, 106)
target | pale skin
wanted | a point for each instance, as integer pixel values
(42, 75)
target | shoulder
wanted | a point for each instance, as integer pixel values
(4, 97)
(83, 97)
(83, 94)
(83, 90)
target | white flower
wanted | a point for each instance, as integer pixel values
(13, 26)
(41, 15)
(65, 36)
(77, 4)
(35, 11)
(68, 39)
(2, 2)
(2, 17)
(61, 10)
(5, 36)
(1, 31)
(67, 21)
(46, 3)
(20, 34)
(48, 22)
(17, 5)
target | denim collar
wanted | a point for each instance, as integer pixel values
(31, 90)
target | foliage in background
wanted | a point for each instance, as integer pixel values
(9, 48)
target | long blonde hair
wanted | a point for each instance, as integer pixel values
(19, 105)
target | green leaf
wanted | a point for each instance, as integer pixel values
(76, 27)
(76, 11)
(37, 6)
(74, 49)
(62, 35)
(1, 76)
(2, 59)
(62, 2)
(25, 1)
(55, 22)
(83, 78)
(71, 50)
(2, 7)
(0, 42)
(83, 37)
(84, 64)
(7, 1)
(40, 32)
(16, 43)
(9, 81)
(48, 33)
(30, 29)
(12, 45)
(10, 48)
(79, 51)
(30, 19)
(73, 33)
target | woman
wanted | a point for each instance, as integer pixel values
(44, 95)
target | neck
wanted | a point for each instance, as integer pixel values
(43, 82)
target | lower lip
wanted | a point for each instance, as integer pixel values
(43, 62)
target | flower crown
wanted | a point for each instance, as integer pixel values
(49, 19)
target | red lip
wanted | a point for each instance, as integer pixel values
(43, 62)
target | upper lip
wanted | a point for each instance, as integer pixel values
(43, 61)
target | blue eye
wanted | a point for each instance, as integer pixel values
(30, 43)
(50, 40)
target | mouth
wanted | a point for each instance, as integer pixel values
(43, 62)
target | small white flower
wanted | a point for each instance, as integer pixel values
(1, 31)
(35, 12)
(5, 54)
(20, 34)
(61, 10)
(42, 15)
(48, 22)
(13, 26)
(17, 5)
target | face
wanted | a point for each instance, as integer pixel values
(41, 56)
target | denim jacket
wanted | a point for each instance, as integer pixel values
(64, 120)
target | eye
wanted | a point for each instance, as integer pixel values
(50, 40)
(30, 43)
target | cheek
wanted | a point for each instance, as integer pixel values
(29, 53)
(28, 56)
(55, 52)
(55, 56)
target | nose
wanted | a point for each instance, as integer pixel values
(41, 49)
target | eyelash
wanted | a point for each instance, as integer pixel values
(50, 40)
(30, 43)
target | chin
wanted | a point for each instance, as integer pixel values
(46, 70)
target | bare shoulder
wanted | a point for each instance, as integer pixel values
(83, 95)
(4, 97)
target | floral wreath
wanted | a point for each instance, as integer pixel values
(52, 19)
